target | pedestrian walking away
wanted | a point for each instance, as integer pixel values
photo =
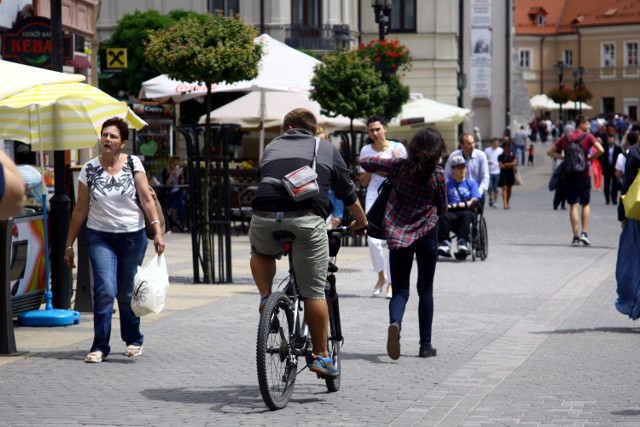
(416, 201)
(381, 146)
(578, 183)
(112, 198)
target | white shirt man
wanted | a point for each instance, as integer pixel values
(492, 153)
(476, 160)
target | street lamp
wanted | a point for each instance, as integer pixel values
(578, 84)
(560, 66)
(382, 11)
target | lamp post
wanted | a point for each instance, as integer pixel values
(382, 11)
(578, 84)
(560, 68)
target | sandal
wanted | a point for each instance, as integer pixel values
(95, 357)
(133, 350)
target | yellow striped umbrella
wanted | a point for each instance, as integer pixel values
(61, 116)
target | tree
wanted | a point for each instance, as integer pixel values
(131, 33)
(208, 49)
(345, 83)
(389, 57)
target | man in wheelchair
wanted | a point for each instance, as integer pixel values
(463, 197)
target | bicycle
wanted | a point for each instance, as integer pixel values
(283, 335)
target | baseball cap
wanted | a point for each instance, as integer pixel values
(457, 161)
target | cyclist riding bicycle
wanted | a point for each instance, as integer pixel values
(274, 209)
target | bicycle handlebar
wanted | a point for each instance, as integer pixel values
(342, 231)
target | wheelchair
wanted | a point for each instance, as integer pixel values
(478, 239)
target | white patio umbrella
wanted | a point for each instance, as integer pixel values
(424, 111)
(543, 102)
(282, 68)
(572, 105)
(17, 77)
(246, 111)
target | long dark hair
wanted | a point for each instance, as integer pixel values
(424, 153)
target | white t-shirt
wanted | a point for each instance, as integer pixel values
(376, 180)
(113, 200)
(621, 161)
(492, 159)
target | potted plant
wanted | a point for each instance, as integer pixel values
(388, 56)
(581, 95)
(559, 95)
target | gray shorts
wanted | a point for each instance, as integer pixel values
(310, 249)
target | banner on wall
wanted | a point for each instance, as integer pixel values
(481, 49)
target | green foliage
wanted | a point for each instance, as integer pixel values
(131, 34)
(207, 48)
(347, 84)
(398, 94)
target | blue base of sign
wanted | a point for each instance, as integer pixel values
(53, 317)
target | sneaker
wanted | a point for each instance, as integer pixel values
(584, 238)
(393, 341)
(427, 351)
(445, 249)
(463, 249)
(576, 241)
(323, 366)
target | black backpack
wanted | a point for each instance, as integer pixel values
(574, 158)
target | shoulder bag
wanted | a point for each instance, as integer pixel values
(631, 199)
(148, 227)
(377, 212)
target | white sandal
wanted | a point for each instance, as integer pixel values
(95, 357)
(133, 350)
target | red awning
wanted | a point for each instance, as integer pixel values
(78, 61)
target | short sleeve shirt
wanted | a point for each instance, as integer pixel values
(113, 200)
(587, 142)
(376, 180)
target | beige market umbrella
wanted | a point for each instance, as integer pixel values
(424, 110)
(246, 111)
(543, 102)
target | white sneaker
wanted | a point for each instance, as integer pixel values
(444, 249)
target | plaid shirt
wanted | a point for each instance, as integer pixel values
(413, 208)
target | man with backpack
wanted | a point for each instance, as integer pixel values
(576, 152)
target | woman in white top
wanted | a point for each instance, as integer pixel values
(377, 130)
(108, 192)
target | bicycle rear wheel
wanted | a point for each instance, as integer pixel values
(276, 363)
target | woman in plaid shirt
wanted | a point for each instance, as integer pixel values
(418, 198)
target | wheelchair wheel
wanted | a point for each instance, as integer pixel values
(473, 240)
(483, 239)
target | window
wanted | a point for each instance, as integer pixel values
(403, 16)
(540, 20)
(525, 58)
(227, 6)
(567, 56)
(608, 55)
(306, 12)
(631, 54)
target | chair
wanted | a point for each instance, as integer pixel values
(239, 210)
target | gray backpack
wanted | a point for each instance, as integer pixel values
(574, 159)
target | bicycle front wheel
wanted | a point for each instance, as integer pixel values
(276, 363)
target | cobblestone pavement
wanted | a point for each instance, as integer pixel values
(528, 337)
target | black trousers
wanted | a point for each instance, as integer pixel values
(611, 189)
(458, 221)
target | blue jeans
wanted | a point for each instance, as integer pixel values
(114, 260)
(520, 154)
(401, 261)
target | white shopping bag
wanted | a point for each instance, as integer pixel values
(150, 287)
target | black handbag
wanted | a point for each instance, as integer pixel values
(375, 215)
